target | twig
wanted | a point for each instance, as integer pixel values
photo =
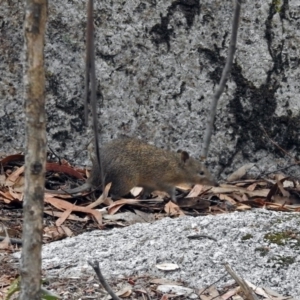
(277, 170)
(224, 77)
(90, 81)
(202, 292)
(53, 152)
(95, 266)
(201, 236)
(249, 294)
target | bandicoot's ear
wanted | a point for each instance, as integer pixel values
(184, 155)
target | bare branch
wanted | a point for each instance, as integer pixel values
(90, 81)
(95, 266)
(88, 58)
(224, 77)
(249, 294)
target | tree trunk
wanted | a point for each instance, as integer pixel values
(35, 156)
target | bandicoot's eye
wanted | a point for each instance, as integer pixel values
(201, 173)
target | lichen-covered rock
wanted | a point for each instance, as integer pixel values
(158, 64)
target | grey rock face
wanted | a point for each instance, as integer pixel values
(158, 64)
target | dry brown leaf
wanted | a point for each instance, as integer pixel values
(64, 196)
(167, 267)
(103, 198)
(237, 197)
(54, 232)
(242, 207)
(67, 230)
(140, 290)
(230, 293)
(63, 217)
(173, 209)
(239, 173)
(11, 179)
(113, 208)
(58, 214)
(136, 191)
(227, 198)
(282, 190)
(244, 197)
(209, 293)
(64, 205)
(196, 190)
(267, 293)
(125, 292)
(64, 168)
(160, 195)
(279, 176)
(252, 187)
(19, 184)
(279, 207)
(262, 183)
(184, 186)
(5, 244)
(6, 196)
(244, 182)
(225, 189)
(18, 196)
(5, 280)
(10, 158)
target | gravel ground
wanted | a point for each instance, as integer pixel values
(262, 246)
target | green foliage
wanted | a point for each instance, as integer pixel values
(283, 261)
(48, 295)
(277, 4)
(15, 287)
(247, 237)
(281, 238)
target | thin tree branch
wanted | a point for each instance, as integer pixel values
(249, 294)
(95, 266)
(89, 37)
(224, 77)
(91, 82)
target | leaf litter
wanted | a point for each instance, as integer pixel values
(279, 193)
